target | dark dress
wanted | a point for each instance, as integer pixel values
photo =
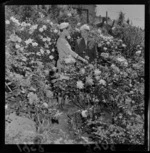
(82, 50)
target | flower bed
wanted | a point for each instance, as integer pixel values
(108, 94)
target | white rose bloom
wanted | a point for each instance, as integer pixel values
(138, 52)
(34, 27)
(7, 22)
(48, 39)
(80, 84)
(97, 72)
(105, 48)
(51, 23)
(44, 39)
(123, 45)
(6, 106)
(38, 53)
(15, 20)
(77, 29)
(78, 24)
(51, 57)
(53, 50)
(55, 31)
(42, 51)
(99, 45)
(121, 59)
(103, 82)
(23, 24)
(46, 46)
(105, 55)
(84, 113)
(41, 29)
(45, 105)
(89, 81)
(68, 37)
(48, 52)
(82, 71)
(108, 43)
(44, 27)
(17, 46)
(28, 41)
(34, 44)
(69, 14)
(97, 77)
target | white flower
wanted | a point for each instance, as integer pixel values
(34, 44)
(46, 46)
(123, 45)
(41, 29)
(42, 51)
(6, 106)
(113, 28)
(105, 55)
(28, 41)
(103, 82)
(69, 14)
(108, 43)
(105, 48)
(78, 24)
(120, 40)
(82, 71)
(84, 113)
(115, 68)
(77, 29)
(51, 57)
(23, 24)
(15, 20)
(91, 66)
(48, 52)
(121, 59)
(44, 39)
(15, 38)
(68, 37)
(17, 46)
(45, 105)
(48, 39)
(55, 31)
(63, 77)
(33, 27)
(53, 50)
(97, 77)
(7, 22)
(80, 84)
(97, 72)
(44, 27)
(51, 23)
(38, 53)
(89, 80)
(99, 45)
(138, 52)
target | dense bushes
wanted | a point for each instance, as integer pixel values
(108, 95)
(131, 36)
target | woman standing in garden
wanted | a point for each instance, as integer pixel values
(64, 49)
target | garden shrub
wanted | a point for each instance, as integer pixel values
(108, 94)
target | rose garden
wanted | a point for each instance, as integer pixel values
(100, 102)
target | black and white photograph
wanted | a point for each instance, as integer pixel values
(75, 74)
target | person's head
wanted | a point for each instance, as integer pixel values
(85, 31)
(64, 29)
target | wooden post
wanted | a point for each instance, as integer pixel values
(106, 16)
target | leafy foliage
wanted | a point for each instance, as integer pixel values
(106, 98)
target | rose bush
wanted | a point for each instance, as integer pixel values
(109, 94)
